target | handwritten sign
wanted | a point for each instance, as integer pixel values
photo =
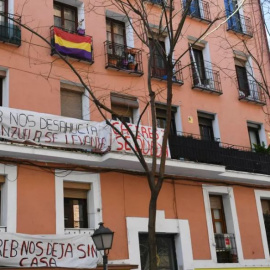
(22, 250)
(51, 130)
(144, 139)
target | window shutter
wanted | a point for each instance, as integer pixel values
(71, 104)
(76, 190)
(124, 111)
(124, 101)
(265, 206)
(215, 202)
(206, 115)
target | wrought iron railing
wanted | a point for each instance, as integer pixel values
(3, 229)
(159, 71)
(239, 23)
(75, 231)
(253, 92)
(123, 58)
(226, 248)
(205, 79)
(192, 147)
(10, 32)
(165, 3)
(198, 9)
(77, 56)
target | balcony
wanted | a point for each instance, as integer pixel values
(192, 147)
(76, 231)
(226, 248)
(62, 39)
(3, 229)
(205, 79)
(253, 93)
(161, 3)
(240, 24)
(123, 58)
(199, 10)
(159, 72)
(9, 31)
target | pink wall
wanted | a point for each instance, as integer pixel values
(35, 201)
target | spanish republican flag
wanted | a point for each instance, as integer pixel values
(73, 45)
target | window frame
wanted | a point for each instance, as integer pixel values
(232, 221)
(85, 101)
(63, 6)
(93, 198)
(222, 219)
(8, 211)
(171, 250)
(259, 195)
(163, 111)
(112, 22)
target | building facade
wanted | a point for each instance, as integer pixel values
(213, 210)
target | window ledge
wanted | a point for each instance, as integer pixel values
(123, 70)
(178, 82)
(203, 88)
(252, 100)
(200, 19)
(243, 34)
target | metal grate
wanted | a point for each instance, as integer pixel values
(123, 58)
(205, 79)
(226, 248)
(198, 9)
(240, 24)
(10, 32)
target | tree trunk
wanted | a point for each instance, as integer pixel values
(152, 231)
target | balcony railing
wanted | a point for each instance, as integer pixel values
(253, 94)
(123, 58)
(76, 231)
(3, 229)
(158, 71)
(9, 31)
(165, 3)
(205, 79)
(198, 9)
(192, 148)
(79, 54)
(240, 24)
(226, 248)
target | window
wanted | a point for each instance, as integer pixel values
(242, 77)
(198, 67)
(115, 31)
(1, 91)
(4, 9)
(234, 22)
(225, 243)
(65, 16)
(124, 107)
(222, 223)
(72, 100)
(158, 65)
(217, 212)
(253, 132)
(83, 187)
(75, 204)
(8, 199)
(3, 88)
(206, 126)
(162, 119)
(266, 217)
(166, 257)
